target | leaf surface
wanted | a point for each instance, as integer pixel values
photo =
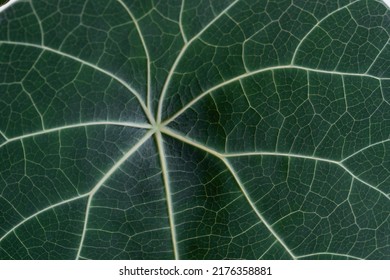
(239, 129)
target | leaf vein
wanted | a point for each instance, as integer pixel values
(111, 75)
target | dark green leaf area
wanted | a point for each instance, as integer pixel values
(312, 201)
(51, 235)
(51, 169)
(129, 216)
(195, 129)
(213, 216)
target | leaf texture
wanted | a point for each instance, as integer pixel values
(178, 129)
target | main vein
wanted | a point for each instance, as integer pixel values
(55, 129)
(111, 75)
(217, 154)
(106, 176)
(249, 74)
(168, 193)
(40, 212)
(90, 194)
(148, 96)
(238, 181)
(178, 58)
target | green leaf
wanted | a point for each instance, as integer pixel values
(240, 129)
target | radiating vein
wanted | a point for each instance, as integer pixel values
(178, 58)
(338, 163)
(189, 141)
(168, 193)
(126, 85)
(40, 212)
(255, 72)
(241, 186)
(106, 176)
(8, 4)
(192, 142)
(253, 206)
(148, 97)
(227, 155)
(46, 131)
(90, 194)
